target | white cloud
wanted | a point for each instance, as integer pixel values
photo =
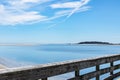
(13, 2)
(1, 8)
(23, 11)
(25, 4)
(15, 13)
(72, 4)
(82, 3)
(13, 19)
(66, 5)
(33, 1)
(73, 7)
(66, 12)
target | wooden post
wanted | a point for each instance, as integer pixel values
(111, 65)
(97, 69)
(77, 73)
(44, 79)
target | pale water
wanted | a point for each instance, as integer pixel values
(42, 54)
(13, 56)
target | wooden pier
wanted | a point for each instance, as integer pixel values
(43, 72)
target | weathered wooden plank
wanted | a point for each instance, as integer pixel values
(48, 70)
(96, 73)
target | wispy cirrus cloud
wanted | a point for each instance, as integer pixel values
(81, 4)
(13, 12)
(66, 5)
(14, 17)
(72, 7)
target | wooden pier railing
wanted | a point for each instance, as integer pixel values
(43, 72)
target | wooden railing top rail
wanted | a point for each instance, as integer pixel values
(53, 69)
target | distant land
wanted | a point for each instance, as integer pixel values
(98, 42)
(84, 42)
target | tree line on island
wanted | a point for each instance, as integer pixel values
(98, 42)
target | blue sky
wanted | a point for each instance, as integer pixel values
(59, 21)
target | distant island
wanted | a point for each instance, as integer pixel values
(97, 42)
(84, 42)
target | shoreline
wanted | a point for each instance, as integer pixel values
(2, 67)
